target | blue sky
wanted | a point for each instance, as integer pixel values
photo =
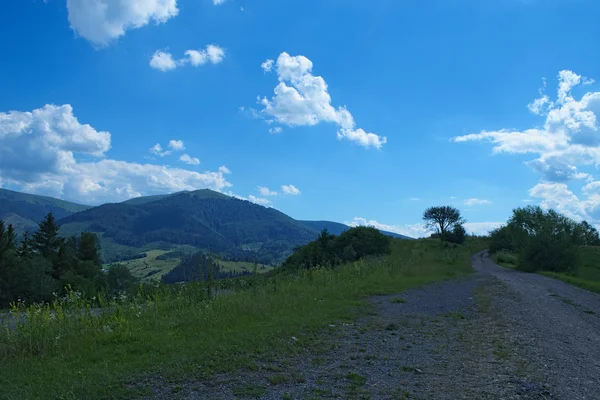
(368, 112)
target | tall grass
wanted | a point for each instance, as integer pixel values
(69, 351)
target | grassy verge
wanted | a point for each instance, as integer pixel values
(587, 284)
(183, 335)
(587, 275)
(506, 259)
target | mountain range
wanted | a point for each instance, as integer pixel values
(202, 219)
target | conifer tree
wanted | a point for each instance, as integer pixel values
(46, 240)
(25, 250)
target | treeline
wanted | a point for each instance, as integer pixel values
(543, 239)
(330, 250)
(40, 266)
(199, 267)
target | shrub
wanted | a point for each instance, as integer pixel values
(505, 257)
(549, 252)
(501, 239)
(330, 250)
(457, 235)
(544, 239)
(119, 279)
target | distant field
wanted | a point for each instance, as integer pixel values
(149, 268)
(587, 275)
(244, 266)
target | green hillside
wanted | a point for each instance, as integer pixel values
(204, 219)
(25, 210)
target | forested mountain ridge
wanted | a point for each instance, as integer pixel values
(208, 220)
(25, 211)
(204, 219)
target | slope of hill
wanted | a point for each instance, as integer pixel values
(25, 210)
(336, 228)
(204, 219)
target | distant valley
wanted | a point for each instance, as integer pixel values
(204, 219)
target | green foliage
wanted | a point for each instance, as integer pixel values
(46, 263)
(544, 240)
(549, 251)
(330, 250)
(506, 257)
(119, 279)
(180, 333)
(586, 234)
(46, 241)
(501, 240)
(171, 255)
(7, 238)
(88, 248)
(442, 219)
(457, 235)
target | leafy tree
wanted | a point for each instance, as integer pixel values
(501, 239)
(586, 234)
(119, 278)
(545, 239)
(457, 235)
(442, 218)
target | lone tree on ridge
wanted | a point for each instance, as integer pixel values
(442, 219)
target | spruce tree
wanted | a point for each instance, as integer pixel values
(47, 243)
(25, 250)
(88, 248)
(46, 240)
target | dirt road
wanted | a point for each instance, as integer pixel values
(498, 334)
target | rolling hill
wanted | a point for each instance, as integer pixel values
(204, 219)
(24, 211)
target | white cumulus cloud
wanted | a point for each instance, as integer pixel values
(213, 54)
(259, 200)
(267, 66)
(189, 160)
(302, 99)
(290, 190)
(265, 191)
(41, 152)
(176, 145)
(158, 150)
(569, 137)
(102, 21)
(164, 61)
